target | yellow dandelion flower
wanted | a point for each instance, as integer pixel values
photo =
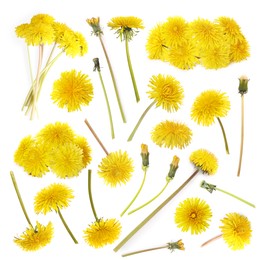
(155, 45)
(125, 23)
(209, 105)
(72, 90)
(116, 168)
(176, 31)
(236, 230)
(53, 197)
(102, 232)
(184, 56)
(166, 92)
(59, 31)
(66, 161)
(204, 161)
(36, 238)
(240, 50)
(206, 33)
(42, 18)
(171, 134)
(82, 143)
(193, 214)
(54, 135)
(21, 30)
(216, 57)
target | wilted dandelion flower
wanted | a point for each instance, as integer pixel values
(116, 168)
(193, 214)
(171, 134)
(33, 239)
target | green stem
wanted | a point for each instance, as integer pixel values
(224, 135)
(135, 230)
(30, 64)
(145, 250)
(20, 198)
(137, 97)
(113, 79)
(136, 195)
(242, 135)
(108, 106)
(151, 200)
(140, 121)
(90, 196)
(236, 197)
(67, 227)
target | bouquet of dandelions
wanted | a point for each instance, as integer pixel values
(42, 31)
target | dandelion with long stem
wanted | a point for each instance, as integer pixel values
(97, 68)
(97, 31)
(204, 161)
(54, 198)
(34, 238)
(242, 89)
(166, 92)
(101, 232)
(170, 176)
(211, 187)
(126, 28)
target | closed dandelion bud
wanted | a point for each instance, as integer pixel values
(243, 81)
(94, 23)
(173, 168)
(96, 64)
(145, 155)
(176, 245)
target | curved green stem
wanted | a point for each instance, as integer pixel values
(113, 79)
(137, 97)
(224, 135)
(108, 106)
(145, 250)
(90, 196)
(140, 121)
(151, 200)
(67, 227)
(242, 136)
(30, 63)
(136, 195)
(20, 198)
(135, 230)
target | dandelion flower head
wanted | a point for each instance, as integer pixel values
(166, 91)
(240, 50)
(208, 105)
(171, 134)
(193, 214)
(102, 233)
(82, 143)
(116, 168)
(204, 161)
(53, 197)
(236, 230)
(36, 238)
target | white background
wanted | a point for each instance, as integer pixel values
(110, 202)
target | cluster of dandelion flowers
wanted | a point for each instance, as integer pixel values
(211, 105)
(171, 134)
(72, 90)
(102, 232)
(193, 214)
(116, 168)
(33, 239)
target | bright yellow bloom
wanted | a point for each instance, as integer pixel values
(116, 168)
(155, 44)
(204, 161)
(176, 31)
(82, 143)
(166, 91)
(209, 105)
(240, 50)
(54, 135)
(66, 161)
(36, 238)
(59, 31)
(102, 233)
(171, 134)
(42, 18)
(54, 197)
(72, 90)
(193, 214)
(184, 56)
(236, 230)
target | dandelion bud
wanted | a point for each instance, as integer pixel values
(243, 80)
(96, 64)
(176, 245)
(94, 23)
(145, 155)
(209, 187)
(173, 167)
